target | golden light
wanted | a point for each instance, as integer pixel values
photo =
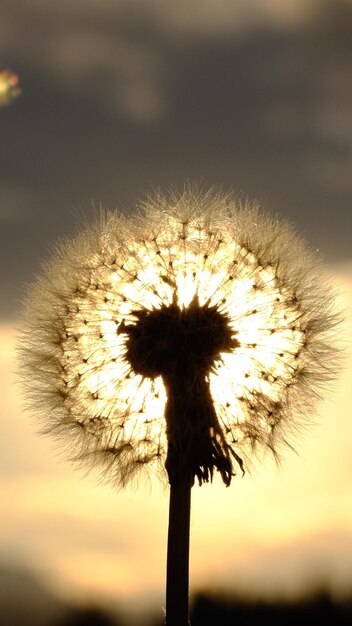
(253, 271)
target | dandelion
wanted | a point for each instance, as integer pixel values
(184, 338)
(9, 87)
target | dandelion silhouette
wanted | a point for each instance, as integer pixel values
(184, 337)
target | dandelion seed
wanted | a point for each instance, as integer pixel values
(184, 337)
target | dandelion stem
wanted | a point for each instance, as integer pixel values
(177, 571)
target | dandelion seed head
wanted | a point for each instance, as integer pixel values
(193, 332)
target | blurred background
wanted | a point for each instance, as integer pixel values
(119, 97)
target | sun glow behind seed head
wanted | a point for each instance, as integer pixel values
(121, 267)
(258, 320)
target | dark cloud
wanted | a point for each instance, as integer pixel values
(24, 600)
(117, 99)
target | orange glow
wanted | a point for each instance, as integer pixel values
(268, 534)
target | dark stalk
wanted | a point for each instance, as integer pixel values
(181, 345)
(177, 569)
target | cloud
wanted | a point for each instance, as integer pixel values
(16, 203)
(128, 71)
(121, 48)
(24, 600)
(92, 56)
(121, 97)
(199, 18)
(225, 17)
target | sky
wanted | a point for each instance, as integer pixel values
(119, 98)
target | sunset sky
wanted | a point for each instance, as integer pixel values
(119, 97)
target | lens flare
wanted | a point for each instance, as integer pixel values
(9, 87)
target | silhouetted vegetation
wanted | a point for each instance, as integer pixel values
(90, 616)
(25, 602)
(316, 609)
